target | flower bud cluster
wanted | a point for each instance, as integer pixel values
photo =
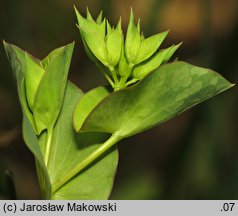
(122, 60)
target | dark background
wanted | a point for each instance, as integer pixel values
(193, 156)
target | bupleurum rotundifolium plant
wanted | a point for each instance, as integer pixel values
(73, 134)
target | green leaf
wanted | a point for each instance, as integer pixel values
(133, 40)
(16, 57)
(163, 94)
(50, 93)
(149, 46)
(31, 141)
(69, 148)
(141, 70)
(51, 56)
(33, 74)
(87, 103)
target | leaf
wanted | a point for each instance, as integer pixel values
(163, 94)
(16, 57)
(50, 93)
(51, 56)
(33, 75)
(32, 143)
(87, 103)
(69, 148)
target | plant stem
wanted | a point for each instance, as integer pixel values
(48, 145)
(114, 75)
(88, 160)
(132, 81)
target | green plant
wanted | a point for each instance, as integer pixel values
(73, 134)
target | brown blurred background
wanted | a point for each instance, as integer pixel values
(193, 156)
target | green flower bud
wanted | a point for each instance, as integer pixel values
(109, 28)
(149, 46)
(94, 35)
(141, 70)
(99, 18)
(123, 67)
(133, 41)
(114, 41)
(170, 52)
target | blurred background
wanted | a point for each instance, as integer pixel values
(193, 156)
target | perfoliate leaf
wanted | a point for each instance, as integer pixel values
(163, 94)
(141, 70)
(133, 40)
(149, 46)
(68, 149)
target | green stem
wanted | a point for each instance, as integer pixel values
(123, 81)
(88, 160)
(48, 145)
(132, 81)
(108, 79)
(114, 75)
